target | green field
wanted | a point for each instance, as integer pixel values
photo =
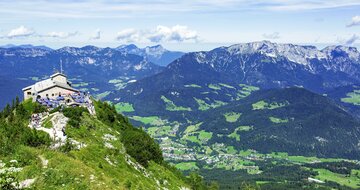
(172, 107)
(214, 86)
(102, 95)
(262, 182)
(260, 105)
(205, 106)
(245, 153)
(192, 86)
(192, 128)
(114, 81)
(35, 78)
(235, 134)
(302, 159)
(232, 117)
(122, 107)
(278, 120)
(245, 91)
(245, 128)
(352, 181)
(187, 166)
(352, 97)
(227, 86)
(204, 135)
(118, 83)
(160, 131)
(150, 120)
(231, 150)
(81, 84)
(192, 134)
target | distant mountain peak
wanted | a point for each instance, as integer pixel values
(156, 47)
(338, 50)
(155, 51)
(156, 54)
(127, 46)
(296, 53)
(25, 46)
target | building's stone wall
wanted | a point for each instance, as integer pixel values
(50, 93)
(27, 94)
(60, 78)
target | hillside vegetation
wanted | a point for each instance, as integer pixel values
(101, 152)
(264, 139)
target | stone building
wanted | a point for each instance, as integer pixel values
(57, 85)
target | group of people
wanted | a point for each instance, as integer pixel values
(85, 100)
(50, 103)
(36, 118)
(75, 99)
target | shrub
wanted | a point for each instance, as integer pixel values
(55, 110)
(141, 146)
(196, 181)
(74, 115)
(8, 177)
(37, 138)
(67, 147)
(138, 144)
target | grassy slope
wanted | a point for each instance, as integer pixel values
(350, 181)
(95, 166)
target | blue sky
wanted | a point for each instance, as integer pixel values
(186, 25)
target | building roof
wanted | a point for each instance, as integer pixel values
(56, 74)
(26, 88)
(49, 83)
(56, 84)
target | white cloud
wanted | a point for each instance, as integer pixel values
(348, 40)
(177, 33)
(352, 39)
(60, 34)
(96, 35)
(22, 9)
(129, 35)
(21, 31)
(272, 36)
(355, 21)
(296, 5)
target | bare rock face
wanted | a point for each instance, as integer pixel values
(56, 132)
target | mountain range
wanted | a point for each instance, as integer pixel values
(156, 54)
(262, 64)
(25, 64)
(267, 65)
(243, 107)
